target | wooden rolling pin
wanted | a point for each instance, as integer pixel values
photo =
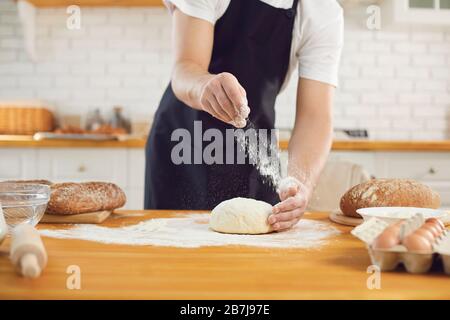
(27, 251)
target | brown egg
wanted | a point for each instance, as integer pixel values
(425, 233)
(393, 229)
(417, 243)
(436, 222)
(436, 231)
(388, 238)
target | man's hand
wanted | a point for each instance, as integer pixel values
(225, 99)
(294, 197)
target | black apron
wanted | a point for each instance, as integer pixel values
(252, 41)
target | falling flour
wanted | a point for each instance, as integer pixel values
(192, 231)
(263, 153)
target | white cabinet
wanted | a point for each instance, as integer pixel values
(126, 167)
(18, 164)
(136, 178)
(122, 166)
(431, 168)
(136, 166)
(83, 164)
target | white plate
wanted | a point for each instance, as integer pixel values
(394, 214)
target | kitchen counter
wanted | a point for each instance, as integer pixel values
(17, 141)
(11, 141)
(335, 271)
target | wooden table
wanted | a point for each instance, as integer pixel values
(334, 271)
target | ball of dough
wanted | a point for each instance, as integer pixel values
(241, 216)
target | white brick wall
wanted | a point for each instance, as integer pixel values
(396, 83)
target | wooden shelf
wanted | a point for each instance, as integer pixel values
(97, 3)
(15, 141)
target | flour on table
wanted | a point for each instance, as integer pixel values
(192, 231)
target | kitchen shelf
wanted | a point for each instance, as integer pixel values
(97, 3)
(16, 141)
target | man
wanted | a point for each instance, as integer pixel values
(232, 58)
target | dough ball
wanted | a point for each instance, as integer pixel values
(242, 216)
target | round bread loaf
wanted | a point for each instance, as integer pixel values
(75, 198)
(388, 193)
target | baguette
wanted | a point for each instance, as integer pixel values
(75, 198)
(388, 193)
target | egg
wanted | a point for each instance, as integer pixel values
(388, 238)
(436, 231)
(436, 222)
(395, 229)
(425, 233)
(417, 243)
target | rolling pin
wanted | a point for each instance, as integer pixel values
(27, 251)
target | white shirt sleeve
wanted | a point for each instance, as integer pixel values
(321, 41)
(209, 10)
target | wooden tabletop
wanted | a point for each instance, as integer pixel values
(334, 271)
(17, 141)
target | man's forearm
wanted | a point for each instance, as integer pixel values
(221, 95)
(309, 147)
(192, 42)
(188, 80)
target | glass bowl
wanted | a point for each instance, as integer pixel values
(23, 202)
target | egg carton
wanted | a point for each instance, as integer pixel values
(3, 225)
(443, 250)
(390, 259)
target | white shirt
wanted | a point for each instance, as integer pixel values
(317, 38)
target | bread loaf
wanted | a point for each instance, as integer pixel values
(388, 193)
(76, 198)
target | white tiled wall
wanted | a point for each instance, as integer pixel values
(396, 83)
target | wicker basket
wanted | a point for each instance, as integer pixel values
(25, 120)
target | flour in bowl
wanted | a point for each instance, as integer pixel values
(192, 231)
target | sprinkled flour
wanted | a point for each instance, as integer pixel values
(192, 231)
(263, 153)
